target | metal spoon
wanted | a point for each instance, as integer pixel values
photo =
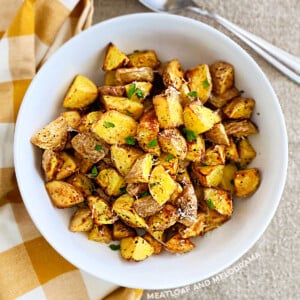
(286, 63)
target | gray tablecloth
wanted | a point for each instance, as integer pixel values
(270, 270)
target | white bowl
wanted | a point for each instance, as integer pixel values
(192, 43)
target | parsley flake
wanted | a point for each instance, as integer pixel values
(123, 190)
(98, 147)
(192, 94)
(205, 83)
(130, 140)
(210, 204)
(109, 124)
(133, 90)
(152, 143)
(169, 157)
(144, 194)
(94, 171)
(190, 134)
(114, 247)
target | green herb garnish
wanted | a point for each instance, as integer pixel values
(192, 94)
(133, 90)
(144, 194)
(130, 140)
(153, 184)
(94, 171)
(114, 247)
(152, 143)
(109, 124)
(169, 157)
(123, 190)
(128, 112)
(210, 204)
(98, 147)
(205, 83)
(190, 134)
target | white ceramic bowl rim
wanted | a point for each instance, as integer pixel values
(164, 271)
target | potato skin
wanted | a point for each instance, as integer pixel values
(222, 74)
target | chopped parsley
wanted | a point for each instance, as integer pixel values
(98, 147)
(109, 124)
(190, 134)
(114, 247)
(210, 204)
(130, 140)
(205, 83)
(123, 190)
(192, 94)
(169, 157)
(153, 184)
(152, 143)
(144, 194)
(94, 171)
(133, 90)
(128, 112)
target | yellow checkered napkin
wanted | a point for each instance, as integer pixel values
(30, 31)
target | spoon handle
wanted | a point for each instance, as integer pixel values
(286, 63)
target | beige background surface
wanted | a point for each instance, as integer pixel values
(275, 274)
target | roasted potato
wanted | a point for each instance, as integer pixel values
(81, 220)
(82, 182)
(246, 152)
(114, 58)
(227, 182)
(146, 58)
(146, 206)
(178, 244)
(73, 119)
(88, 120)
(246, 182)
(214, 155)
(239, 108)
(222, 74)
(240, 128)
(219, 101)
(172, 74)
(217, 135)
(111, 90)
(121, 231)
(208, 176)
(138, 90)
(128, 75)
(51, 164)
(100, 233)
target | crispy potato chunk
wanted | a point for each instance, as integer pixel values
(101, 210)
(217, 134)
(246, 152)
(117, 90)
(219, 101)
(209, 176)
(196, 228)
(140, 170)
(81, 93)
(82, 183)
(239, 108)
(123, 157)
(123, 207)
(246, 182)
(63, 194)
(121, 231)
(124, 105)
(114, 127)
(138, 90)
(100, 233)
(155, 240)
(170, 162)
(218, 199)
(199, 81)
(161, 185)
(51, 164)
(135, 248)
(147, 58)
(53, 136)
(81, 220)
(89, 147)
(168, 109)
(177, 244)
(227, 179)
(73, 118)
(214, 155)
(138, 189)
(114, 58)
(172, 74)
(146, 206)
(172, 141)
(195, 149)
(240, 128)
(68, 167)
(128, 75)
(222, 74)
(110, 79)
(231, 151)
(214, 220)
(88, 120)
(199, 118)
(111, 181)
(147, 131)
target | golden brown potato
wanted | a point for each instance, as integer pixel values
(155, 242)
(227, 179)
(128, 75)
(101, 210)
(117, 90)
(199, 81)
(138, 90)
(63, 194)
(195, 149)
(140, 171)
(199, 118)
(88, 120)
(161, 185)
(124, 105)
(135, 248)
(168, 109)
(239, 108)
(146, 206)
(123, 157)
(246, 182)
(100, 233)
(110, 79)
(114, 58)
(214, 220)
(123, 207)
(177, 244)
(89, 147)
(219, 101)
(171, 141)
(146, 58)
(81, 220)
(81, 93)
(222, 74)
(114, 127)
(68, 167)
(209, 176)
(217, 135)
(147, 131)
(121, 231)
(240, 128)
(172, 74)
(53, 136)
(231, 151)
(219, 200)
(169, 162)
(73, 119)
(246, 152)
(196, 228)
(83, 183)
(111, 181)
(51, 164)
(214, 155)
(137, 189)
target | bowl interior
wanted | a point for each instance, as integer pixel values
(192, 43)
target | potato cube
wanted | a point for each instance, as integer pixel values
(246, 182)
(121, 231)
(88, 120)
(214, 155)
(239, 108)
(110, 180)
(246, 152)
(114, 127)
(110, 79)
(81, 93)
(240, 128)
(81, 220)
(114, 58)
(83, 183)
(199, 118)
(51, 164)
(231, 151)
(199, 81)
(138, 91)
(219, 101)
(135, 248)
(208, 176)
(214, 220)
(100, 233)
(195, 149)
(195, 229)
(177, 244)
(128, 75)
(172, 74)
(111, 90)
(168, 109)
(155, 242)
(147, 58)
(217, 135)
(146, 206)
(169, 162)
(73, 119)
(227, 182)
(222, 74)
